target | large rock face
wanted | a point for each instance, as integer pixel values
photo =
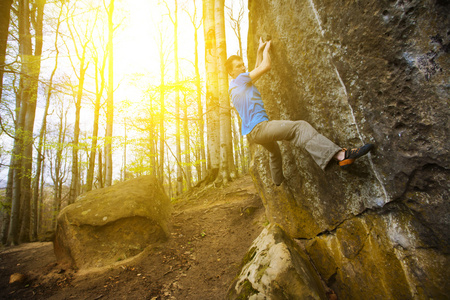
(359, 72)
(111, 224)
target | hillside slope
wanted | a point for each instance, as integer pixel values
(211, 231)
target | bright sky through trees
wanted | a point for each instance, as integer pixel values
(136, 49)
(136, 57)
(102, 91)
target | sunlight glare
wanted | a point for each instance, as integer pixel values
(136, 51)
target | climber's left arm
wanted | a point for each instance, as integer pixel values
(259, 53)
(264, 66)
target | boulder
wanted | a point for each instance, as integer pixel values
(362, 73)
(276, 268)
(108, 225)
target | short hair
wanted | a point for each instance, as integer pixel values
(229, 62)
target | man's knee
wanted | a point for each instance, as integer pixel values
(303, 124)
(304, 133)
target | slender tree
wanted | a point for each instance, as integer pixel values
(212, 91)
(57, 162)
(110, 100)
(187, 148)
(7, 204)
(162, 91)
(40, 154)
(226, 144)
(124, 168)
(235, 135)
(36, 19)
(151, 125)
(81, 37)
(5, 8)
(236, 23)
(177, 102)
(200, 122)
(174, 20)
(99, 88)
(41, 199)
(100, 169)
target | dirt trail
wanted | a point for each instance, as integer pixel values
(211, 231)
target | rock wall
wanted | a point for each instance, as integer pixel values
(362, 72)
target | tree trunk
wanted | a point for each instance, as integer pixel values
(98, 97)
(5, 9)
(201, 126)
(10, 183)
(236, 136)
(7, 203)
(212, 98)
(40, 156)
(110, 101)
(177, 104)
(23, 103)
(91, 167)
(30, 116)
(39, 163)
(226, 143)
(22, 154)
(153, 142)
(100, 169)
(169, 175)
(125, 152)
(187, 148)
(200, 153)
(56, 173)
(236, 26)
(244, 158)
(75, 181)
(17, 165)
(162, 66)
(41, 202)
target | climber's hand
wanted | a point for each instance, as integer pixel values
(261, 45)
(264, 66)
(267, 47)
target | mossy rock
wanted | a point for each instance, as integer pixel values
(276, 268)
(112, 224)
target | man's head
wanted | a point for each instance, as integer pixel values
(235, 66)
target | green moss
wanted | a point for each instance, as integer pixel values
(248, 257)
(246, 291)
(261, 270)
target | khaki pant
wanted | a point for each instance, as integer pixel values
(301, 134)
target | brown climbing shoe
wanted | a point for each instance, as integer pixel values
(352, 154)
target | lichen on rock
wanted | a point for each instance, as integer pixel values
(275, 268)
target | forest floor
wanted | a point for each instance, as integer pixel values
(211, 231)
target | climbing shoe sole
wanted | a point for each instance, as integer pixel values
(352, 154)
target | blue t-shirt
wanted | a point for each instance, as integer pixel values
(247, 101)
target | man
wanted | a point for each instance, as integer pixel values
(260, 130)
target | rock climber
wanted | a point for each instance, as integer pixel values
(260, 130)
